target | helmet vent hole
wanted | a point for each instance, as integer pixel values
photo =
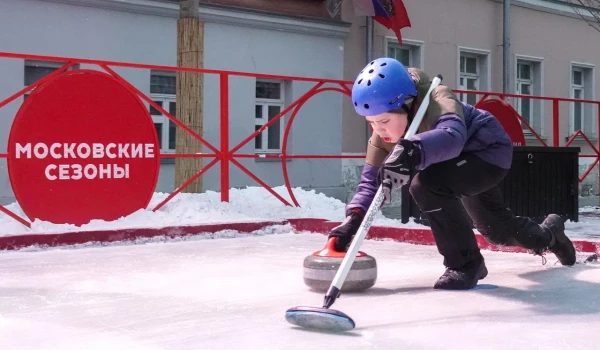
(366, 106)
(360, 81)
(381, 76)
(356, 104)
(372, 62)
(384, 64)
(371, 71)
(369, 83)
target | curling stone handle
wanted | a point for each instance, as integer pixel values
(344, 268)
(329, 250)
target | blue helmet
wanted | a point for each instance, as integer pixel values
(382, 86)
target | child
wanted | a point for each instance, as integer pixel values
(458, 156)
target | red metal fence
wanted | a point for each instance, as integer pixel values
(224, 153)
(555, 122)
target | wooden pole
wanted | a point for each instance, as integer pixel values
(190, 87)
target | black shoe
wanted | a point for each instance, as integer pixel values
(462, 278)
(560, 245)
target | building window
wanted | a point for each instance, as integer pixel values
(581, 88)
(473, 73)
(409, 53)
(269, 103)
(524, 87)
(469, 77)
(36, 70)
(529, 82)
(163, 93)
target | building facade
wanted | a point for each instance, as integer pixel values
(553, 53)
(300, 39)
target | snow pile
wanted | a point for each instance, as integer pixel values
(590, 210)
(248, 204)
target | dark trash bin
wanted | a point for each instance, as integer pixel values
(542, 181)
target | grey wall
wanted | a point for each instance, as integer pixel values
(53, 28)
(316, 129)
(541, 29)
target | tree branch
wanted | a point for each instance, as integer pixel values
(591, 7)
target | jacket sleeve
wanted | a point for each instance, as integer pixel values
(377, 151)
(444, 141)
(443, 133)
(366, 189)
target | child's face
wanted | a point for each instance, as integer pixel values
(389, 126)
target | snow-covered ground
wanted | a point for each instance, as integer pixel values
(233, 294)
(249, 204)
(215, 292)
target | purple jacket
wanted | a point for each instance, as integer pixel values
(480, 134)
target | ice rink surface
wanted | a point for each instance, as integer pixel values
(232, 293)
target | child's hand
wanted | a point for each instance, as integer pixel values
(346, 230)
(398, 167)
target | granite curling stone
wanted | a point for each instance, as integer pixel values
(320, 269)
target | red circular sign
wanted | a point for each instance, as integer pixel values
(507, 116)
(82, 147)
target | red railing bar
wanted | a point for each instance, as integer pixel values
(555, 125)
(587, 140)
(225, 154)
(36, 84)
(481, 100)
(259, 181)
(347, 90)
(535, 97)
(572, 138)
(186, 184)
(589, 170)
(276, 118)
(169, 68)
(255, 75)
(15, 216)
(187, 155)
(159, 108)
(523, 121)
(286, 135)
(311, 156)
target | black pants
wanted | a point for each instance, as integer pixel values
(440, 189)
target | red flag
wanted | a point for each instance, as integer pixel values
(398, 17)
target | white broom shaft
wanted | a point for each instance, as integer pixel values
(342, 272)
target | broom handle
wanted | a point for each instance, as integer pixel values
(344, 268)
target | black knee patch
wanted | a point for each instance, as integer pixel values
(491, 236)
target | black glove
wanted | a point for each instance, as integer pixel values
(398, 167)
(347, 229)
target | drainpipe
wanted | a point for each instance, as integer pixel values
(506, 49)
(369, 58)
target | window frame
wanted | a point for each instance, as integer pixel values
(161, 119)
(258, 122)
(415, 47)
(483, 76)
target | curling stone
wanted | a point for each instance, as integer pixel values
(321, 266)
